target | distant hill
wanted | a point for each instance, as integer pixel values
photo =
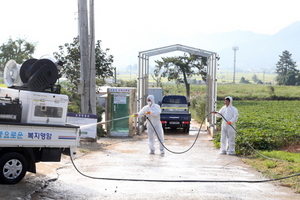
(256, 51)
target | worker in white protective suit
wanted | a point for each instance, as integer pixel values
(152, 112)
(230, 113)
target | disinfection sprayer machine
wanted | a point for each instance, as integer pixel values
(33, 118)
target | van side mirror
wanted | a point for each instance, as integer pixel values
(159, 103)
(189, 104)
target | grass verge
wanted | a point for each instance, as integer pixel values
(277, 169)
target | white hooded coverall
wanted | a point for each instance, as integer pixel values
(230, 113)
(154, 117)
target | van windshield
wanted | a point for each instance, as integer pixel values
(174, 100)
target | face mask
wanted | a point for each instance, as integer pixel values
(149, 103)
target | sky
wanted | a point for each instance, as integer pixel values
(129, 26)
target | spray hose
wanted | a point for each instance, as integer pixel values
(181, 152)
(256, 151)
(174, 152)
(178, 181)
(109, 120)
(184, 181)
(214, 112)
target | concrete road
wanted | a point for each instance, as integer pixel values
(129, 158)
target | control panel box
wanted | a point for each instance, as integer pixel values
(39, 107)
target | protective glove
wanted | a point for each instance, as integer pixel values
(148, 112)
(135, 115)
(229, 122)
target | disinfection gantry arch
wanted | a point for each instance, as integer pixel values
(211, 79)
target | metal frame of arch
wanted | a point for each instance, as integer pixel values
(211, 80)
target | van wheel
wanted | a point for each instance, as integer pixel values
(186, 129)
(13, 167)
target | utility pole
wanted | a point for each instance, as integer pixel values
(235, 48)
(92, 89)
(115, 75)
(87, 58)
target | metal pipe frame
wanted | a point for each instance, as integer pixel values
(211, 78)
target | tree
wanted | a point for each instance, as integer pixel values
(69, 53)
(181, 68)
(157, 78)
(19, 50)
(286, 71)
(259, 82)
(243, 80)
(254, 78)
